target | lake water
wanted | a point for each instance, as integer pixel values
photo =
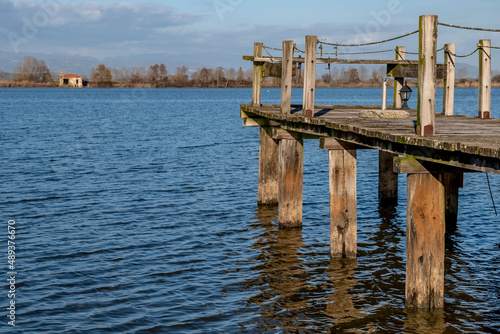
(136, 212)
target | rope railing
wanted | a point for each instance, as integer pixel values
(416, 53)
(467, 28)
(270, 48)
(371, 43)
(463, 56)
(266, 48)
(298, 50)
(362, 53)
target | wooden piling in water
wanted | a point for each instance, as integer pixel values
(426, 103)
(399, 82)
(452, 183)
(387, 179)
(291, 164)
(484, 78)
(343, 202)
(310, 75)
(286, 77)
(268, 168)
(425, 228)
(258, 51)
(449, 81)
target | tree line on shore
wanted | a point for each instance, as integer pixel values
(33, 72)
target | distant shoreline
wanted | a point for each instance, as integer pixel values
(319, 84)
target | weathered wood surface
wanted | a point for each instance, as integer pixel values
(398, 81)
(310, 72)
(452, 183)
(387, 179)
(257, 75)
(425, 229)
(291, 162)
(410, 165)
(343, 206)
(286, 77)
(332, 60)
(411, 71)
(268, 168)
(426, 97)
(449, 81)
(460, 141)
(485, 78)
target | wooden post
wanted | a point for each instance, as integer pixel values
(286, 77)
(258, 50)
(399, 82)
(425, 228)
(485, 78)
(426, 103)
(290, 182)
(387, 179)
(452, 183)
(343, 206)
(384, 94)
(268, 168)
(449, 82)
(310, 75)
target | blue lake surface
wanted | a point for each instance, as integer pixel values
(136, 212)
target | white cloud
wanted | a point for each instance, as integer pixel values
(36, 25)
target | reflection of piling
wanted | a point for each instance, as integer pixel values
(421, 144)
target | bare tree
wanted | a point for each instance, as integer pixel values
(219, 76)
(327, 78)
(231, 74)
(240, 76)
(181, 77)
(101, 76)
(32, 69)
(363, 73)
(157, 75)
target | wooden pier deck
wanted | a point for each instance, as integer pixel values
(469, 143)
(434, 150)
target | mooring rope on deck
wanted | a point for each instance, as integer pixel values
(468, 28)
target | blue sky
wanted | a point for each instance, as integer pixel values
(219, 32)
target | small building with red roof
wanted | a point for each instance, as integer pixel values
(70, 80)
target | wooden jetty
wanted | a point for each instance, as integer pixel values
(434, 150)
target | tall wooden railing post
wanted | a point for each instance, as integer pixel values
(426, 103)
(484, 78)
(399, 82)
(310, 75)
(286, 77)
(449, 81)
(258, 50)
